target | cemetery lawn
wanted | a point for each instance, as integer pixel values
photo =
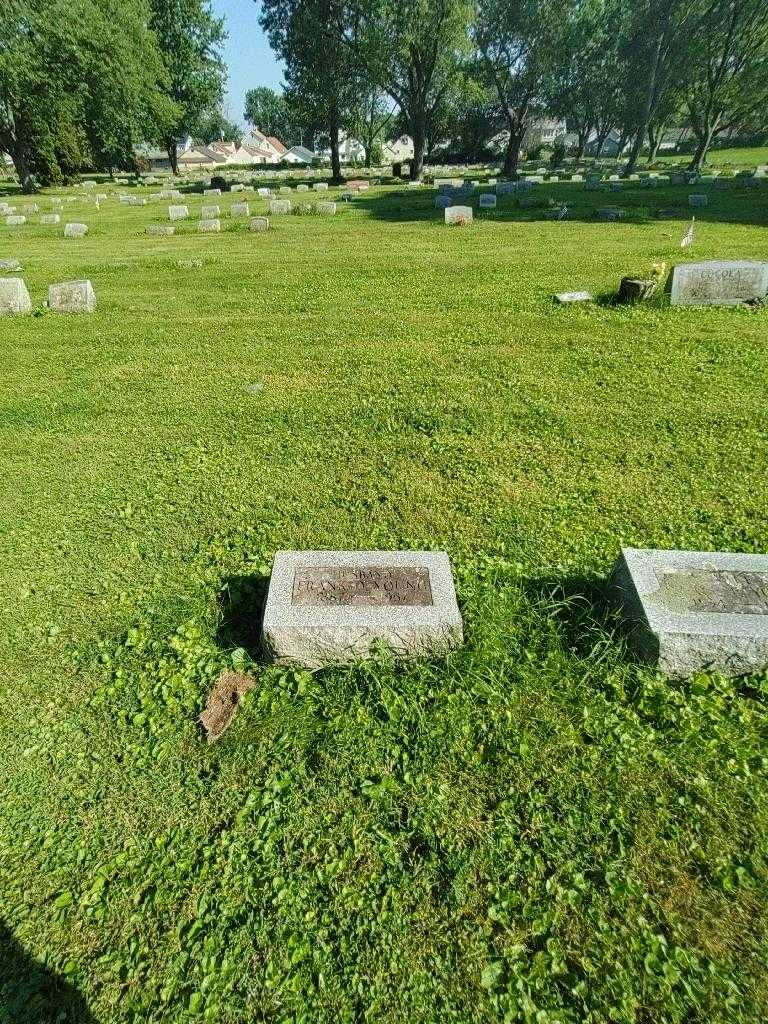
(536, 830)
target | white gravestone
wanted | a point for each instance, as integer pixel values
(209, 212)
(335, 606)
(178, 212)
(320, 186)
(694, 611)
(239, 210)
(211, 191)
(160, 229)
(15, 220)
(458, 215)
(72, 297)
(75, 230)
(209, 224)
(50, 218)
(327, 208)
(14, 297)
(719, 283)
(264, 193)
(302, 188)
(278, 206)
(10, 265)
(259, 224)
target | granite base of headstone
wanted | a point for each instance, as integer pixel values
(336, 606)
(694, 611)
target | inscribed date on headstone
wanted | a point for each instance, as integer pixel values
(321, 586)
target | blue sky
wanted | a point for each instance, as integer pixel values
(249, 58)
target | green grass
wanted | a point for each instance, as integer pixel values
(536, 830)
(732, 156)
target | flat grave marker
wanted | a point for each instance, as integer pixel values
(334, 606)
(693, 611)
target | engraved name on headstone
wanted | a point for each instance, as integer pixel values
(361, 585)
(718, 283)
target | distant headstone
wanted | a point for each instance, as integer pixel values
(209, 224)
(264, 193)
(238, 210)
(160, 229)
(239, 187)
(9, 265)
(326, 208)
(694, 611)
(335, 606)
(719, 283)
(564, 298)
(14, 297)
(75, 230)
(611, 213)
(211, 191)
(320, 186)
(72, 297)
(209, 212)
(15, 220)
(698, 200)
(302, 188)
(458, 215)
(278, 206)
(487, 201)
(259, 224)
(178, 212)
(50, 218)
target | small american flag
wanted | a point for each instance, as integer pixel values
(689, 235)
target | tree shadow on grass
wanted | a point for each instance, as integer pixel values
(31, 993)
(241, 601)
(659, 206)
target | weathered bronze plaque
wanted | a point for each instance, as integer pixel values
(322, 586)
(716, 591)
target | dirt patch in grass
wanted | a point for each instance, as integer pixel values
(223, 700)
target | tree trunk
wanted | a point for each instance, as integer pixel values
(26, 179)
(702, 148)
(634, 153)
(170, 148)
(512, 155)
(333, 132)
(582, 144)
(419, 134)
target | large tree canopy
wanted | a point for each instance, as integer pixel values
(80, 81)
(190, 38)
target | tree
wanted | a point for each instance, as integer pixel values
(322, 80)
(215, 127)
(371, 122)
(660, 45)
(518, 43)
(414, 50)
(190, 38)
(77, 89)
(272, 114)
(729, 81)
(584, 86)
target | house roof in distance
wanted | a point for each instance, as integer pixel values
(278, 145)
(302, 153)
